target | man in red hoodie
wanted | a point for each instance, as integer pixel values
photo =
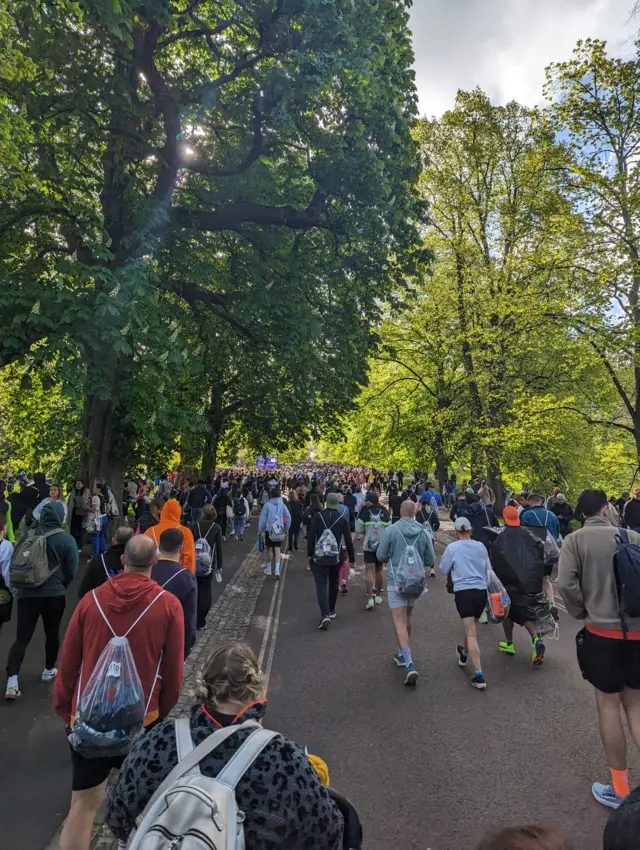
(157, 646)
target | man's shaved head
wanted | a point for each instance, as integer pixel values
(139, 553)
(123, 535)
(408, 509)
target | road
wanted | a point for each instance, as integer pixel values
(432, 767)
(437, 766)
(35, 763)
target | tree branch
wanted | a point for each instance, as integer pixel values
(215, 304)
(231, 216)
(257, 149)
(196, 33)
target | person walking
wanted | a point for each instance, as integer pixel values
(274, 523)
(372, 521)
(171, 576)
(396, 541)
(46, 601)
(129, 604)
(222, 504)
(241, 513)
(608, 649)
(296, 509)
(631, 512)
(468, 562)
(542, 523)
(170, 518)
(209, 530)
(328, 534)
(103, 567)
(78, 505)
(283, 800)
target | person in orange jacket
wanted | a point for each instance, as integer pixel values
(170, 518)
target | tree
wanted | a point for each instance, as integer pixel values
(595, 102)
(249, 129)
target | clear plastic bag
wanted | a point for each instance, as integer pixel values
(498, 601)
(110, 711)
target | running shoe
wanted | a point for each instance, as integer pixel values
(412, 675)
(400, 662)
(218, 576)
(506, 648)
(332, 615)
(12, 692)
(606, 795)
(479, 682)
(49, 675)
(370, 604)
(462, 656)
(537, 651)
(325, 622)
(378, 600)
(483, 618)
(267, 571)
(432, 573)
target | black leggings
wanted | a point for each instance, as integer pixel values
(222, 522)
(204, 599)
(30, 609)
(294, 533)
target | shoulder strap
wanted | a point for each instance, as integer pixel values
(184, 741)
(486, 513)
(193, 758)
(199, 532)
(52, 532)
(323, 520)
(244, 757)
(171, 578)
(105, 567)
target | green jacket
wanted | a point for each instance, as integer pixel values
(61, 550)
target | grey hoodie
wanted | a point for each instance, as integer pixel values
(405, 532)
(62, 551)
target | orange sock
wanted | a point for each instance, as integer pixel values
(620, 782)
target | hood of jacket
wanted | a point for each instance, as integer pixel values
(171, 512)
(475, 509)
(52, 515)
(410, 528)
(126, 590)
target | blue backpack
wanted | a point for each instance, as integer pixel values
(626, 567)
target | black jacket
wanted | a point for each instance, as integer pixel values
(96, 574)
(517, 557)
(296, 509)
(199, 496)
(339, 525)
(565, 514)
(631, 513)
(428, 515)
(147, 520)
(394, 505)
(480, 516)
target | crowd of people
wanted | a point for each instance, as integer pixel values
(147, 589)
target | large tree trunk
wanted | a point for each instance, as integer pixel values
(494, 478)
(215, 417)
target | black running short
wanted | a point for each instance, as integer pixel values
(270, 544)
(519, 616)
(609, 664)
(89, 773)
(370, 558)
(470, 603)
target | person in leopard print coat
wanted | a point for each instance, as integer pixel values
(285, 804)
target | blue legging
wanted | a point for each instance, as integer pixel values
(99, 538)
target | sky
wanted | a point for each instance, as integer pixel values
(503, 46)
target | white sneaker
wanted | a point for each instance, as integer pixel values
(277, 573)
(267, 571)
(13, 690)
(218, 576)
(49, 675)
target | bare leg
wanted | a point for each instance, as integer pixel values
(548, 589)
(400, 624)
(409, 610)
(76, 832)
(369, 576)
(611, 729)
(379, 578)
(471, 641)
(631, 704)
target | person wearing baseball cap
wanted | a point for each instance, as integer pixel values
(372, 520)
(468, 562)
(518, 561)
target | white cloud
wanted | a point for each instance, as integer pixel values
(503, 46)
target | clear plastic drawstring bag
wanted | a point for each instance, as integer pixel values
(498, 601)
(111, 708)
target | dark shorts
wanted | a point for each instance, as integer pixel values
(370, 558)
(548, 569)
(270, 544)
(470, 603)
(89, 773)
(610, 665)
(519, 616)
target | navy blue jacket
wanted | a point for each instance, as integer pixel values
(185, 588)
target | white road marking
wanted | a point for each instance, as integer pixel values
(271, 623)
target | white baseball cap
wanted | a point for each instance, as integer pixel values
(462, 524)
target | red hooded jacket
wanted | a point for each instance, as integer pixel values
(159, 633)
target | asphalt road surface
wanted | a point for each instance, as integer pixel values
(435, 766)
(35, 767)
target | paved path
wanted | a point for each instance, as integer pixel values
(431, 768)
(437, 766)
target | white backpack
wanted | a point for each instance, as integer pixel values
(327, 548)
(196, 812)
(204, 557)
